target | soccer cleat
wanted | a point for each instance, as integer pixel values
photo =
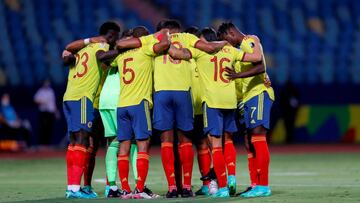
(150, 193)
(113, 194)
(125, 195)
(222, 193)
(213, 187)
(140, 195)
(204, 190)
(211, 175)
(187, 193)
(257, 191)
(76, 195)
(245, 191)
(232, 184)
(172, 194)
(88, 190)
(107, 189)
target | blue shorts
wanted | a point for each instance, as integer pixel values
(134, 120)
(98, 127)
(79, 115)
(173, 110)
(218, 121)
(257, 111)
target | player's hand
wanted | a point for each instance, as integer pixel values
(231, 73)
(98, 39)
(65, 53)
(267, 81)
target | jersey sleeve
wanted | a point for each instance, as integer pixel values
(102, 46)
(148, 39)
(149, 49)
(195, 53)
(238, 54)
(247, 45)
(191, 39)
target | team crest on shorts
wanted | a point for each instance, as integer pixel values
(89, 124)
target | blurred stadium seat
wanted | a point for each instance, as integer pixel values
(312, 41)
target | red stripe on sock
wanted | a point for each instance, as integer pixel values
(167, 158)
(230, 157)
(123, 167)
(89, 168)
(142, 165)
(187, 160)
(69, 165)
(262, 157)
(204, 161)
(219, 166)
(79, 162)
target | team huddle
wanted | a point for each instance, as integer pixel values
(198, 86)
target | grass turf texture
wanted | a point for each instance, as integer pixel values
(294, 178)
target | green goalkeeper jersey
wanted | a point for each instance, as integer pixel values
(110, 92)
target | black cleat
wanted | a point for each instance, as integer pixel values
(150, 193)
(113, 194)
(187, 193)
(172, 194)
(209, 176)
(247, 190)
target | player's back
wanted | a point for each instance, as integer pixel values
(84, 76)
(171, 74)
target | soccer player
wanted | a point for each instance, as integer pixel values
(83, 80)
(257, 99)
(133, 112)
(219, 111)
(172, 102)
(200, 140)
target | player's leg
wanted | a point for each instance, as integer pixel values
(125, 133)
(164, 122)
(184, 122)
(213, 125)
(109, 119)
(177, 164)
(258, 124)
(229, 148)
(70, 150)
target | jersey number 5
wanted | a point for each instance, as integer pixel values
(221, 70)
(84, 59)
(126, 70)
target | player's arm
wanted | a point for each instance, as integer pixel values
(106, 56)
(75, 46)
(256, 55)
(179, 54)
(164, 43)
(68, 58)
(259, 67)
(210, 47)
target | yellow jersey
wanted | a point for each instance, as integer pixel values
(103, 75)
(135, 71)
(170, 74)
(195, 88)
(253, 86)
(84, 76)
(238, 82)
(218, 91)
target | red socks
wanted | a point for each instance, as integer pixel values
(252, 169)
(204, 161)
(230, 157)
(123, 166)
(262, 158)
(79, 162)
(89, 167)
(187, 160)
(142, 165)
(69, 164)
(167, 157)
(219, 166)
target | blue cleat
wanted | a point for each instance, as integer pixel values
(107, 189)
(76, 195)
(88, 190)
(232, 184)
(257, 191)
(221, 193)
(204, 190)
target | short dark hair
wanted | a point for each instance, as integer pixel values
(224, 27)
(127, 33)
(140, 31)
(107, 26)
(169, 24)
(193, 30)
(209, 34)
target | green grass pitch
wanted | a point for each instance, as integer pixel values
(293, 177)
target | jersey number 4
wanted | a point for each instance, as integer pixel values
(126, 69)
(219, 71)
(84, 59)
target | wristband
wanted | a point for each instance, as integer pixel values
(87, 41)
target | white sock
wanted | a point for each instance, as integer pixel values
(75, 188)
(69, 187)
(114, 187)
